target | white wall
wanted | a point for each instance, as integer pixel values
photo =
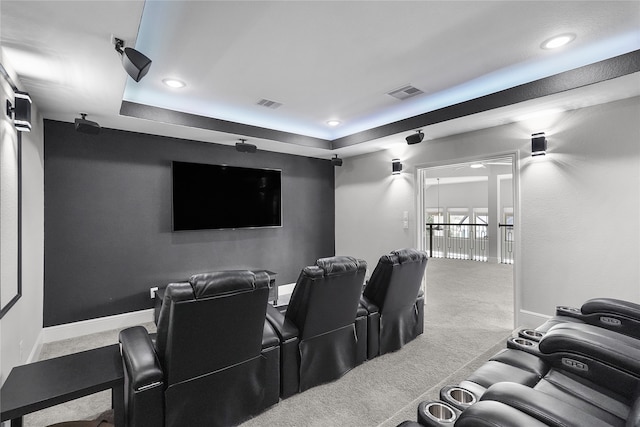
(567, 252)
(21, 327)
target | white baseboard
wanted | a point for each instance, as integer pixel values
(92, 326)
(286, 289)
(37, 348)
(530, 319)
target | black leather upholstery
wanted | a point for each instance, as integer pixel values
(608, 313)
(394, 302)
(543, 407)
(218, 358)
(596, 354)
(320, 334)
(576, 374)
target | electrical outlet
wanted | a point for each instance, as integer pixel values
(152, 292)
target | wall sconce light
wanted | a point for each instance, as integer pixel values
(21, 111)
(135, 64)
(336, 161)
(396, 167)
(538, 144)
(415, 138)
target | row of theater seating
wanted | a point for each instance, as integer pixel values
(223, 354)
(581, 368)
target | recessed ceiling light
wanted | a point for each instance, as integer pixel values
(476, 166)
(333, 123)
(558, 41)
(174, 83)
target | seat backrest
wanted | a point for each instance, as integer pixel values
(396, 280)
(326, 295)
(213, 321)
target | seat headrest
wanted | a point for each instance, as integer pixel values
(403, 256)
(339, 264)
(225, 282)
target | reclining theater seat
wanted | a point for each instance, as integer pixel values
(216, 361)
(321, 339)
(394, 302)
(608, 313)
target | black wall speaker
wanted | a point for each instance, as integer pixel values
(415, 138)
(246, 148)
(87, 126)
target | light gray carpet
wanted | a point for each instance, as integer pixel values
(468, 316)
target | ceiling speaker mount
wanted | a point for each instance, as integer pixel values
(87, 126)
(135, 63)
(243, 147)
(415, 138)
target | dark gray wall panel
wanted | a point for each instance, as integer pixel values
(108, 235)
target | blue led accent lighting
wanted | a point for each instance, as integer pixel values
(158, 15)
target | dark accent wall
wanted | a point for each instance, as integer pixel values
(108, 235)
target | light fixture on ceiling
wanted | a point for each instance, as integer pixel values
(476, 166)
(336, 161)
(86, 126)
(415, 138)
(558, 41)
(174, 83)
(135, 63)
(20, 111)
(243, 147)
(538, 144)
(396, 167)
(333, 123)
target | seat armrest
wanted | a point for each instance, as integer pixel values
(368, 305)
(542, 406)
(611, 306)
(143, 379)
(285, 329)
(139, 357)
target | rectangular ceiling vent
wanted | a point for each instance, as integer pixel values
(269, 104)
(405, 92)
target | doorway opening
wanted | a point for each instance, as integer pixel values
(467, 214)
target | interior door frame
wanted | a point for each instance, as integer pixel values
(515, 168)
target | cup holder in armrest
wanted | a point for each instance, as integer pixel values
(530, 334)
(523, 344)
(436, 414)
(458, 397)
(563, 310)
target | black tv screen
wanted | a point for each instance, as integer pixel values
(218, 196)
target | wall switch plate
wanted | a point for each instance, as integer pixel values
(152, 292)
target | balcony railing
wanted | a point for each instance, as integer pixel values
(466, 241)
(506, 243)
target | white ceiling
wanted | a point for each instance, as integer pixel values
(321, 59)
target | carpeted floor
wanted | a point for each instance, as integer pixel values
(468, 316)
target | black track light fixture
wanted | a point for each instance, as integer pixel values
(135, 63)
(336, 161)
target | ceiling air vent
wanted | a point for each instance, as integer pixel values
(269, 104)
(405, 92)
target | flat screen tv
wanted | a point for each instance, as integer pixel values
(219, 197)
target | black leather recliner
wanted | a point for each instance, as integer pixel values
(322, 333)
(216, 360)
(571, 373)
(394, 301)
